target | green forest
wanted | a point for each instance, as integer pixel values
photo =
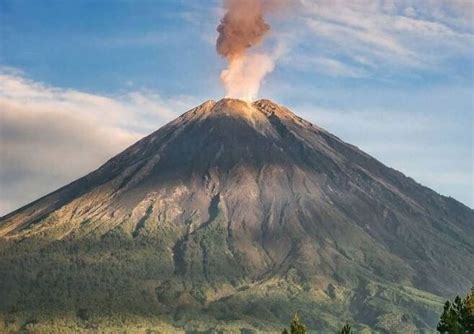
(457, 318)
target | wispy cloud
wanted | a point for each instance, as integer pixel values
(50, 136)
(377, 34)
(325, 65)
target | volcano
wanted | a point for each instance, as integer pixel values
(235, 216)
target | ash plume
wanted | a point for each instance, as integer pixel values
(243, 27)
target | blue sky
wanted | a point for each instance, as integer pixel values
(81, 80)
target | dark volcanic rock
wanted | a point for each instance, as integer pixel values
(239, 213)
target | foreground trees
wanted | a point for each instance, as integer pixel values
(297, 327)
(458, 316)
(346, 329)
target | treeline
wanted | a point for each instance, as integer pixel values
(457, 318)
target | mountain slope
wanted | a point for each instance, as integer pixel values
(238, 214)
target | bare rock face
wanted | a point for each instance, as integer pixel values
(239, 214)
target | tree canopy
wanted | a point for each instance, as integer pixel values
(458, 316)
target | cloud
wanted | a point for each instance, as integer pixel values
(378, 34)
(50, 136)
(324, 65)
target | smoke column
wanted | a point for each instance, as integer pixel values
(242, 28)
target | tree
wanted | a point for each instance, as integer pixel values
(470, 301)
(467, 313)
(449, 320)
(458, 317)
(296, 327)
(346, 329)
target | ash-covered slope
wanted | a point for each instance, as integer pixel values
(239, 214)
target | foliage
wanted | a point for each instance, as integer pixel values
(468, 312)
(117, 280)
(458, 316)
(346, 329)
(83, 314)
(296, 327)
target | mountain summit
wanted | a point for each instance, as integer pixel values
(233, 216)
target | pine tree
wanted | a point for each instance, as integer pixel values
(444, 321)
(457, 317)
(296, 327)
(346, 329)
(449, 323)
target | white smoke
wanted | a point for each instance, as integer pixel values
(243, 27)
